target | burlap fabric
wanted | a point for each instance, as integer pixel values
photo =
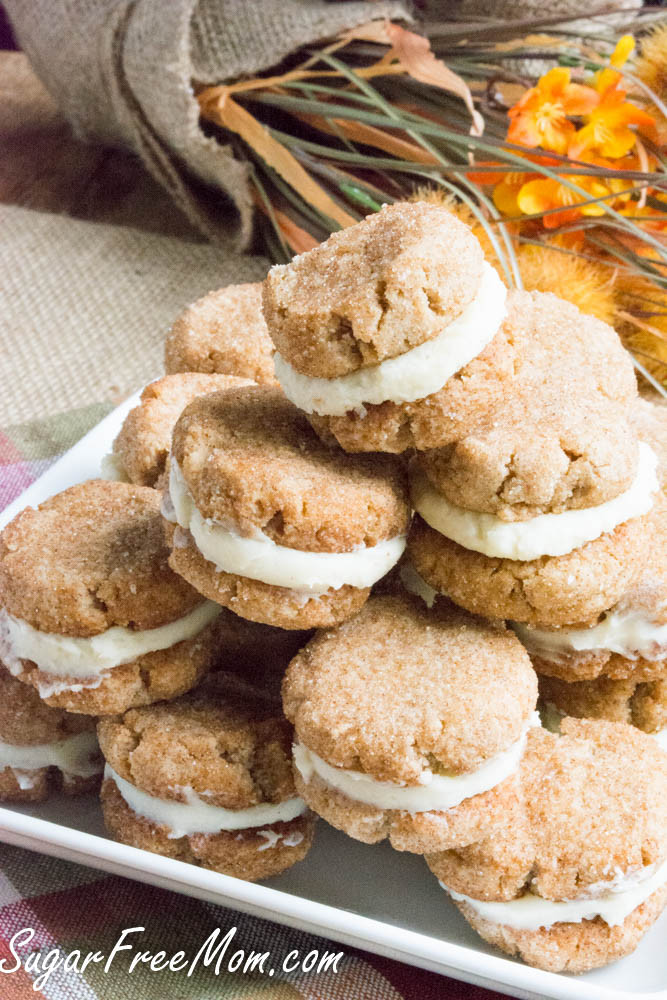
(122, 71)
(84, 307)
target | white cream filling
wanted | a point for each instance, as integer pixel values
(77, 755)
(544, 535)
(628, 633)
(415, 584)
(69, 656)
(416, 374)
(435, 793)
(111, 467)
(195, 815)
(260, 558)
(530, 912)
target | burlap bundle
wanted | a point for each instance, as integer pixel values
(84, 307)
(122, 71)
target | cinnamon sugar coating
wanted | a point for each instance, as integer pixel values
(593, 806)
(233, 749)
(372, 291)
(250, 459)
(143, 442)
(397, 691)
(562, 438)
(223, 333)
(89, 558)
(549, 591)
(593, 810)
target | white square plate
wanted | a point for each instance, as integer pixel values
(366, 897)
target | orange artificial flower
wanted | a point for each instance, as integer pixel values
(540, 118)
(559, 203)
(506, 192)
(607, 130)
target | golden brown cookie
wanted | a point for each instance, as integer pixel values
(640, 703)
(43, 749)
(207, 779)
(372, 291)
(92, 616)
(410, 723)
(571, 589)
(536, 454)
(629, 640)
(223, 333)
(140, 450)
(269, 521)
(579, 870)
(545, 351)
(387, 334)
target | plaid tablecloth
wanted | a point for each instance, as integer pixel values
(74, 910)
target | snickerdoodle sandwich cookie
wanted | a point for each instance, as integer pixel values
(410, 724)
(271, 523)
(91, 614)
(541, 515)
(628, 640)
(207, 779)
(579, 872)
(223, 333)
(387, 334)
(43, 749)
(140, 450)
(640, 703)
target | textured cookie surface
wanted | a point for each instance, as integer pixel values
(166, 673)
(465, 399)
(232, 749)
(142, 445)
(257, 601)
(641, 703)
(89, 558)
(372, 291)
(398, 689)
(562, 590)
(594, 808)
(650, 423)
(250, 458)
(562, 438)
(25, 720)
(571, 947)
(250, 854)
(645, 600)
(223, 333)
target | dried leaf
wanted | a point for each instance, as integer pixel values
(415, 54)
(226, 112)
(369, 135)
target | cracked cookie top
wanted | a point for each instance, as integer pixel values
(373, 291)
(564, 438)
(89, 558)
(250, 458)
(225, 742)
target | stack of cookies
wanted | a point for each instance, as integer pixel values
(536, 490)
(459, 489)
